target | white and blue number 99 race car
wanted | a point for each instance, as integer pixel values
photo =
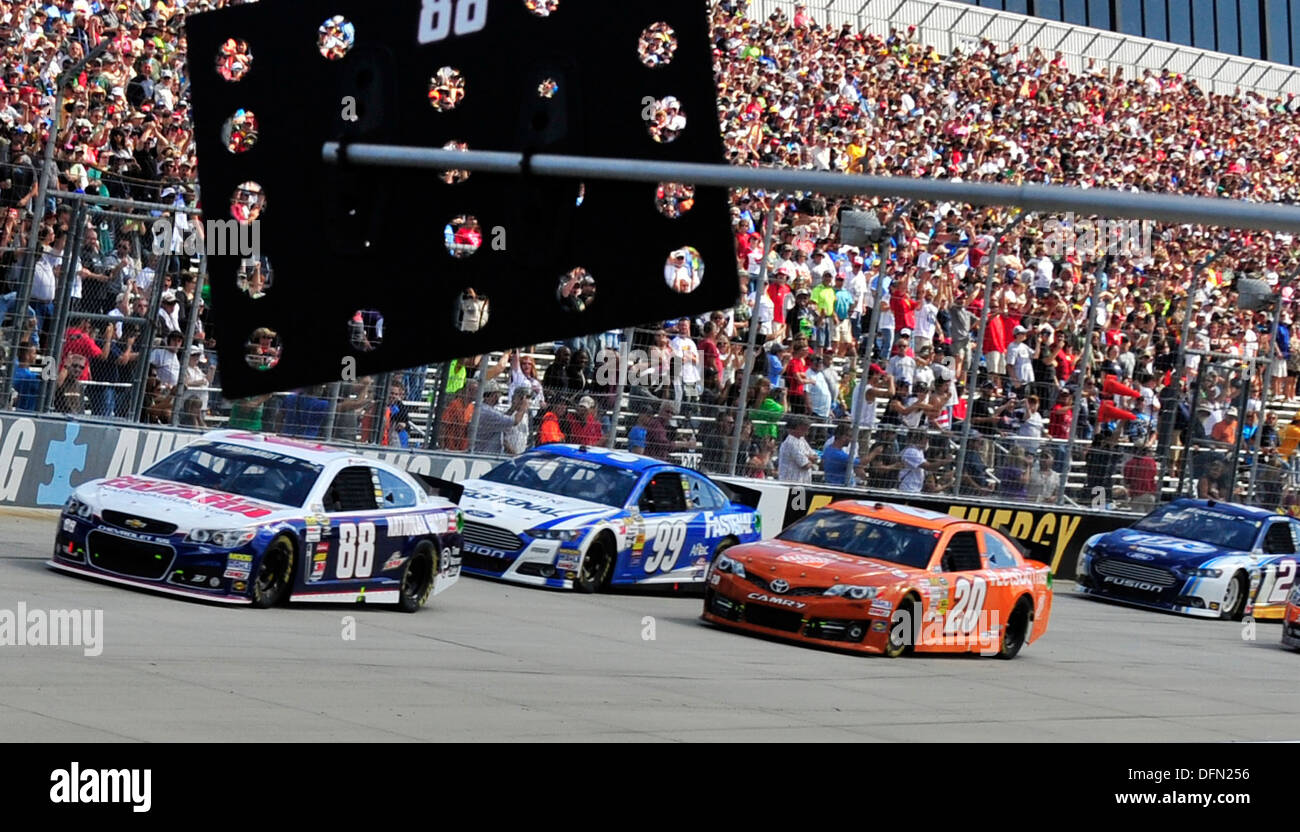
(569, 517)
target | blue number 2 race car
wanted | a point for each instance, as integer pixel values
(244, 518)
(565, 516)
(1196, 557)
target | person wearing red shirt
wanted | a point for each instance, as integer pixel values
(712, 357)
(997, 337)
(583, 428)
(777, 289)
(795, 376)
(903, 307)
(80, 342)
(1062, 417)
(1140, 479)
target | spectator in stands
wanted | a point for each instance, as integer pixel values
(1140, 473)
(835, 458)
(304, 412)
(395, 429)
(165, 360)
(659, 439)
(515, 437)
(27, 379)
(492, 423)
(1044, 481)
(453, 424)
(797, 459)
(582, 427)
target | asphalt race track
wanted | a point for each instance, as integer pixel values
(488, 661)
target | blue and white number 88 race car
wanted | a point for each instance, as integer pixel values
(244, 518)
(569, 517)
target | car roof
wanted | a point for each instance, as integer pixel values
(296, 448)
(1235, 509)
(605, 456)
(921, 518)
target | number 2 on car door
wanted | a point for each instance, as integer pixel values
(967, 605)
(667, 546)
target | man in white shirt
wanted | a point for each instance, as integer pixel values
(1020, 359)
(796, 458)
(690, 380)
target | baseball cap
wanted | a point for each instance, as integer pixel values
(587, 402)
(168, 296)
(491, 387)
(1019, 329)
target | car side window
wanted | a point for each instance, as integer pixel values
(663, 493)
(998, 554)
(704, 494)
(353, 489)
(962, 554)
(1278, 539)
(396, 493)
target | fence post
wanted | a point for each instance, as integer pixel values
(977, 352)
(1264, 393)
(71, 263)
(1182, 378)
(151, 321)
(1085, 369)
(620, 396)
(190, 326)
(480, 374)
(747, 371)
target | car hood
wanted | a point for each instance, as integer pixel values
(811, 566)
(1157, 549)
(519, 509)
(187, 506)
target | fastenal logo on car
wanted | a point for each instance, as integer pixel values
(53, 628)
(132, 786)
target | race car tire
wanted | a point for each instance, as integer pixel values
(1017, 629)
(1234, 601)
(597, 566)
(724, 545)
(417, 578)
(906, 616)
(274, 577)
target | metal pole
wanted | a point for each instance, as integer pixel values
(1170, 208)
(331, 418)
(1085, 369)
(873, 328)
(377, 429)
(151, 323)
(437, 400)
(190, 326)
(1188, 315)
(42, 193)
(860, 388)
(1264, 392)
(71, 262)
(977, 352)
(624, 356)
(1188, 450)
(747, 371)
(481, 375)
(1249, 364)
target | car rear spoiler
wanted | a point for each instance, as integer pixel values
(446, 489)
(741, 494)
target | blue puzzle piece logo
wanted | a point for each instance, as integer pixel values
(66, 457)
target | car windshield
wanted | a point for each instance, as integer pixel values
(867, 537)
(248, 472)
(578, 479)
(1204, 525)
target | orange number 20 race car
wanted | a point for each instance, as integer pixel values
(882, 578)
